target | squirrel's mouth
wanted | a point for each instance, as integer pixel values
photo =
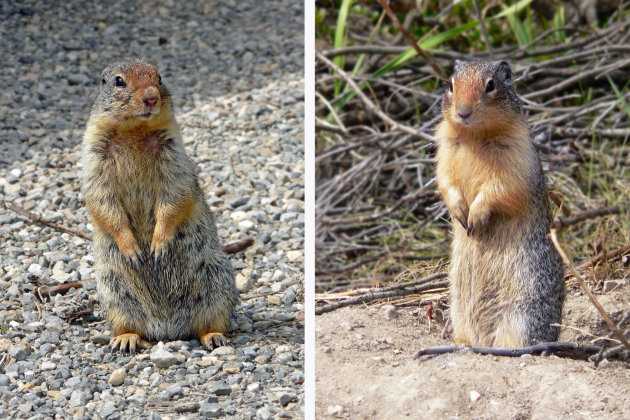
(148, 114)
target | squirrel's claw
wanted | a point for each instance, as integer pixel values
(135, 261)
(128, 342)
(157, 251)
(157, 256)
(212, 340)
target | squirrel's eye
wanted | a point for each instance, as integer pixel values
(490, 86)
(103, 81)
(120, 82)
(160, 80)
(450, 87)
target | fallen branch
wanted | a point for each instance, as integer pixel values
(567, 261)
(376, 294)
(384, 213)
(80, 312)
(58, 289)
(33, 217)
(238, 246)
(413, 283)
(613, 253)
(588, 214)
(359, 292)
(566, 349)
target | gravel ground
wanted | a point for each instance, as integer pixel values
(235, 71)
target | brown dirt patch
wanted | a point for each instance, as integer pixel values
(365, 369)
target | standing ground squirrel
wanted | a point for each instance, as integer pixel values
(507, 284)
(161, 273)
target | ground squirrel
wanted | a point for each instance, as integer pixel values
(506, 277)
(160, 271)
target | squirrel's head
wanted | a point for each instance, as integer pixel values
(131, 92)
(480, 93)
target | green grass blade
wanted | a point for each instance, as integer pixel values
(517, 28)
(558, 22)
(511, 10)
(340, 38)
(622, 100)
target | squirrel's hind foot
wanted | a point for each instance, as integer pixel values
(128, 342)
(212, 340)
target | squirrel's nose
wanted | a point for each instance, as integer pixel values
(150, 101)
(150, 96)
(464, 112)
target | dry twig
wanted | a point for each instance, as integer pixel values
(33, 217)
(565, 349)
(588, 214)
(567, 261)
(391, 292)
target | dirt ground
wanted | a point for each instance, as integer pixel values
(365, 369)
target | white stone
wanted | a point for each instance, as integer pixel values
(243, 283)
(48, 365)
(334, 410)
(163, 358)
(35, 269)
(246, 225)
(77, 399)
(474, 396)
(238, 216)
(253, 387)
(277, 287)
(294, 255)
(278, 275)
(118, 377)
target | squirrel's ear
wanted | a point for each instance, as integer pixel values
(458, 65)
(505, 72)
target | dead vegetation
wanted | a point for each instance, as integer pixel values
(377, 209)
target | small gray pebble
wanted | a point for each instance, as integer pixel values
(109, 410)
(263, 413)
(286, 398)
(210, 410)
(219, 388)
(4, 380)
(18, 353)
(100, 339)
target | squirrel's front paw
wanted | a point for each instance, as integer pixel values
(129, 247)
(477, 221)
(458, 206)
(160, 240)
(459, 214)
